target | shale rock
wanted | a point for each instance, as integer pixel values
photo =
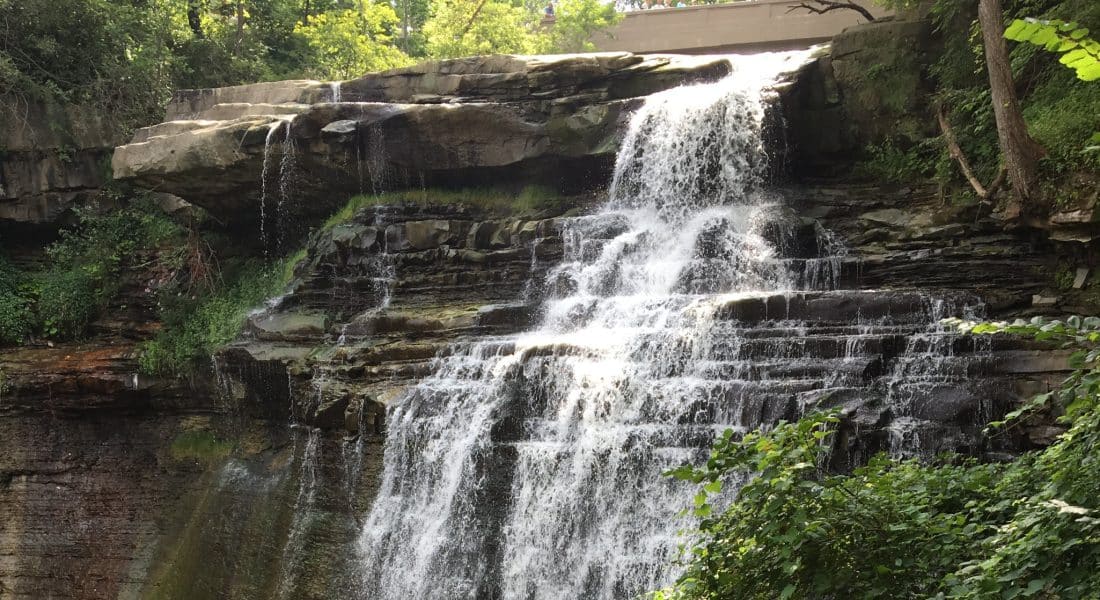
(51, 157)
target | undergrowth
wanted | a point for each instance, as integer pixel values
(905, 529)
(197, 324)
(1061, 111)
(498, 200)
(81, 273)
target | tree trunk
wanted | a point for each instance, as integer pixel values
(194, 18)
(240, 28)
(1021, 152)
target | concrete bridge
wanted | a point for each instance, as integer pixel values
(747, 26)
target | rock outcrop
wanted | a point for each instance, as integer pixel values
(51, 157)
(304, 146)
(115, 486)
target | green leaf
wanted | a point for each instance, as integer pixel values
(787, 592)
(1089, 72)
(1034, 586)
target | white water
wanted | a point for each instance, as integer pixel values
(530, 467)
(284, 182)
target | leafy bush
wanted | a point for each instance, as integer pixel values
(196, 326)
(82, 273)
(901, 529)
(889, 162)
(85, 265)
(16, 321)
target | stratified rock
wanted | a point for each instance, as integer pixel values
(51, 157)
(553, 119)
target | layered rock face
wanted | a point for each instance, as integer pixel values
(306, 145)
(255, 483)
(52, 157)
(378, 298)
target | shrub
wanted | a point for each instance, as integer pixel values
(196, 326)
(902, 529)
(16, 322)
(85, 265)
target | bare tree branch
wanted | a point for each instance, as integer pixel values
(956, 153)
(820, 7)
(473, 18)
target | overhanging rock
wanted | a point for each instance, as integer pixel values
(303, 146)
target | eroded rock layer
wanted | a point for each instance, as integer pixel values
(472, 121)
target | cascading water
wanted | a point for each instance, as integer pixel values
(285, 180)
(530, 466)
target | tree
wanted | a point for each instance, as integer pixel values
(1021, 152)
(576, 21)
(469, 27)
(820, 7)
(348, 43)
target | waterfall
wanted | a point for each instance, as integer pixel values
(530, 466)
(285, 181)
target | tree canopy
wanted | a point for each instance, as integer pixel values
(128, 55)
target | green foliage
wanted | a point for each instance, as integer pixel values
(888, 162)
(124, 58)
(195, 325)
(1079, 52)
(497, 200)
(16, 319)
(82, 273)
(576, 21)
(199, 445)
(901, 529)
(469, 27)
(95, 52)
(86, 263)
(1062, 115)
(349, 43)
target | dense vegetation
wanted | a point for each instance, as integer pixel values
(171, 270)
(1062, 111)
(902, 529)
(128, 55)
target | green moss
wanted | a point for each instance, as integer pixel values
(498, 200)
(200, 445)
(1063, 279)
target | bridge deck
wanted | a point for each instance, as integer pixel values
(752, 25)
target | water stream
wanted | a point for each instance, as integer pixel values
(530, 466)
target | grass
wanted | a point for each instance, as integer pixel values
(196, 326)
(531, 198)
(199, 445)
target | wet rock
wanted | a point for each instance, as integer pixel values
(288, 327)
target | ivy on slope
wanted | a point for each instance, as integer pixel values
(902, 529)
